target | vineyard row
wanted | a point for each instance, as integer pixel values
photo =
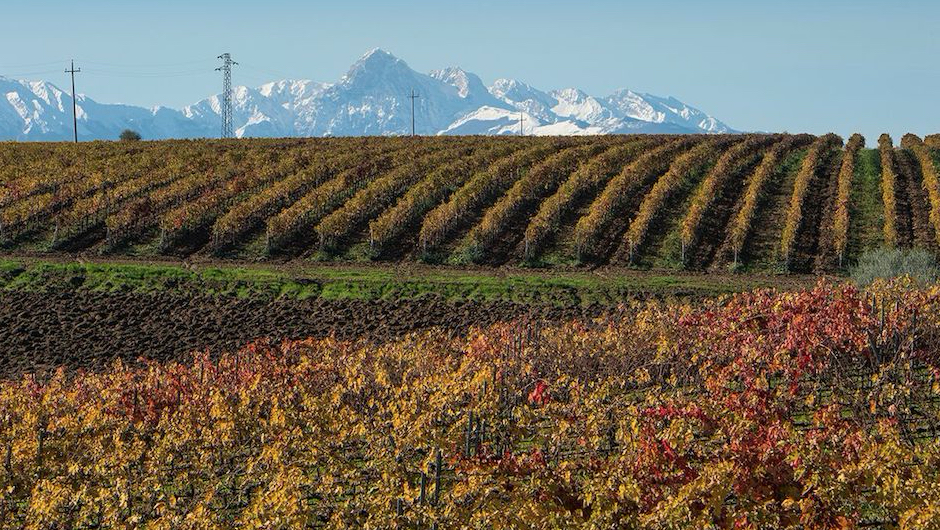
(695, 202)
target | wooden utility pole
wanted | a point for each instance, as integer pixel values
(413, 97)
(74, 71)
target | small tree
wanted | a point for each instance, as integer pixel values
(127, 135)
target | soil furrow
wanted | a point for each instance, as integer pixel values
(81, 329)
(909, 170)
(903, 203)
(715, 225)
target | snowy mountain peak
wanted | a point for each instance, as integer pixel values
(525, 98)
(514, 90)
(465, 82)
(375, 62)
(375, 70)
(578, 105)
(372, 98)
(377, 54)
(668, 110)
(572, 95)
(292, 87)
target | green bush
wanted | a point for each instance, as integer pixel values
(128, 135)
(917, 263)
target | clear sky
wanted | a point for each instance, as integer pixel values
(797, 65)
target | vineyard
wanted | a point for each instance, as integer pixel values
(468, 332)
(815, 409)
(771, 202)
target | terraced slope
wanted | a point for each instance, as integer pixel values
(747, 202)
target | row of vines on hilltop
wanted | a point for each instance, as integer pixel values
(813, 410)
(581, 183)
(812, 165)
(260, 206)
(711, 188)
(840, 235)
(75, 195)
(609, 199)
(742, 223)
(888, 189)
(431, 190)
(302, 215)
(142, 206)
(696, 158)
(480, 190)
(620, 191)
(541, 179)
(931, 179)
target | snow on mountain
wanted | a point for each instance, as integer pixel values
(654, 109)
(494, 120)
(623, 112)
(371, 99)
(573, 103)
(32, 110)
(487, 120)
(469, 86)
(524, 97)
(38, 110)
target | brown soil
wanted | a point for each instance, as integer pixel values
(714, 226)
(903, 202)
(763, 246)
(826, 257)
(74, 329)
(919, 205)
(816, 205)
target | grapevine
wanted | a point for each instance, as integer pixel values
(888, 189)
(846, 174)
(741, 226)
(808, 170)
(810, 409)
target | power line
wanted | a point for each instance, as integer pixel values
(117, 73)
(21, 74)
(154, 65)
(109, 68)
(270, 72)
(73, 71)
(30, 65)
(227, 114)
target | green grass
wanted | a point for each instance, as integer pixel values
(372, 283)
(866, 214)
(664, 239)
(762, 251)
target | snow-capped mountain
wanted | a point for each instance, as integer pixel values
(371, 99)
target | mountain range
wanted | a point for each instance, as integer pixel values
(371, 99)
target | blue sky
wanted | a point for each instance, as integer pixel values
(795, 65)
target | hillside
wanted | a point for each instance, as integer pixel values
(699, 202)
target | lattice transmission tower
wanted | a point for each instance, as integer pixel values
(228, 126)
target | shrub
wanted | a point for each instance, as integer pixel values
(128, 135)
(919, 264)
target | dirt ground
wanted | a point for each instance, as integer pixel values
(75, 329)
